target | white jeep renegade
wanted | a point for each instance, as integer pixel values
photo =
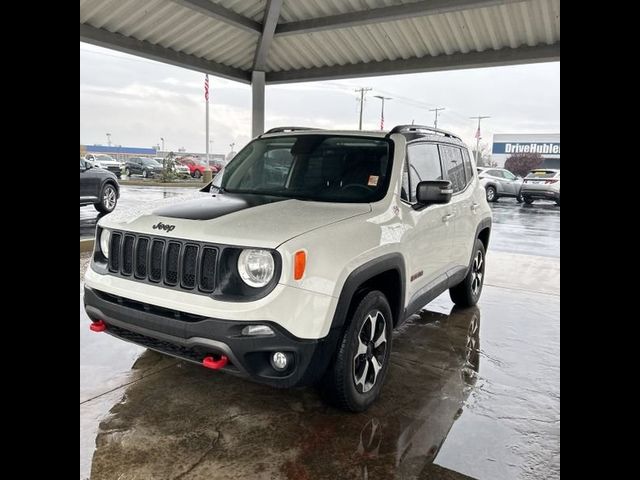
(295, 265)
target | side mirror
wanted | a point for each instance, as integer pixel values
(433, 192)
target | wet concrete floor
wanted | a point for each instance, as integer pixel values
(470, 393)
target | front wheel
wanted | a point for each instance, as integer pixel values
(520, 199)
(197, 174)
(354, 379)
(127, 172)
(528, 200)
(108, 199)
(145, 174)
(467, 292)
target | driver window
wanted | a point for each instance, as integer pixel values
(424, 164)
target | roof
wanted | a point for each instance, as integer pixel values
(299, 40)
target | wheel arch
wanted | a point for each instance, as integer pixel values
(386, 273)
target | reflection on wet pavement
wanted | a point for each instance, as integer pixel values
(530, 229)
(437, 417)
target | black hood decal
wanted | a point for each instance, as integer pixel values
(215, 206)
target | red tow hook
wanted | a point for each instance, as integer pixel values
(98, 326)
(212, 363)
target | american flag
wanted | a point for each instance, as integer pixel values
(206, 87)
(382, 121)
(478, 133)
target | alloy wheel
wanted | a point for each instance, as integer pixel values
(477, 273)
(371, 353)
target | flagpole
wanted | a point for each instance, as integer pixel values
(206, 96)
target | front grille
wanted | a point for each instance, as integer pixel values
(171, 263)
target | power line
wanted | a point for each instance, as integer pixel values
(435, 123)
(362, 91)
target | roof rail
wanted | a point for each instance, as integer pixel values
(287, 129)
(417, 129)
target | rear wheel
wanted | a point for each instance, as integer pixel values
(145, 174)
(467, 293)
(492, 195)
(519, 198)
(528, 200)
(127, 172)
(354, 379)
(108, 199)
(197, 174)
(558, 201)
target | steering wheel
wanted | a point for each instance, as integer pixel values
(357, 185)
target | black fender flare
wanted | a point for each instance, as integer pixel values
(366, 271)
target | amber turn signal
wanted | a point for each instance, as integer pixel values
(299, 264)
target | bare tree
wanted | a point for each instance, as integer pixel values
(523, 163)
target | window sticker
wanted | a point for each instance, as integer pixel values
(373, 180)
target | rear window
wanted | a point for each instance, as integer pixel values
(542, 174)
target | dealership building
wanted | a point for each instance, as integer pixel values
(546, 144)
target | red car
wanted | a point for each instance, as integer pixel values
(196, 168)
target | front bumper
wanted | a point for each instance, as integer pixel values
(193, 337)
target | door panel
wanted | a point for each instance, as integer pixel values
(428, 238)
(463, 202)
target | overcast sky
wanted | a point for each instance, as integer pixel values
(138, 101)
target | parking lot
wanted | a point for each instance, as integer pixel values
(470, 393)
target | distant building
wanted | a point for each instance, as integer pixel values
(546, 144)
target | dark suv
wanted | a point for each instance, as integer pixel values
(147, 167)
(98, 187)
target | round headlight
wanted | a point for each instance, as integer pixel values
(256, 267)
(104, 242)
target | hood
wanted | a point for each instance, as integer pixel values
(237, 219)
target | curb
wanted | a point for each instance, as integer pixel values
(86, 245)
(139, 183)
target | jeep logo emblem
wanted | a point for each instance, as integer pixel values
(163, 226)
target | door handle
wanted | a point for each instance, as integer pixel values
(447, 217)
(474, 207)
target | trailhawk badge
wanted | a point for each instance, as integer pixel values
(163, 226)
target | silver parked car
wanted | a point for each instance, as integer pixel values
(499, 182)
(542, 184)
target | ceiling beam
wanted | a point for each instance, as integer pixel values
(213, 10)
(487, 58)
(271, 15)
(115, 41)
(385, 14)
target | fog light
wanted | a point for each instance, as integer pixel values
(279, 361)
(257, 330)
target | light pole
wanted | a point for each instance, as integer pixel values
(109, 139)
(162, 140)
(435, 123)
(382, 111)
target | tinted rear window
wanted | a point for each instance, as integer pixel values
(542, 174)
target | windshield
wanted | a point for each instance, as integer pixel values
(150, 161)
(325, 168)
(104, 158)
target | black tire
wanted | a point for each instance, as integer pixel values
(145, 174)
(127, 172)
(108, 199)
(492, 194)
(338, 386)
(197, 174)
(528, 200)
(520, 199)
(468, 291)
(558, 201)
